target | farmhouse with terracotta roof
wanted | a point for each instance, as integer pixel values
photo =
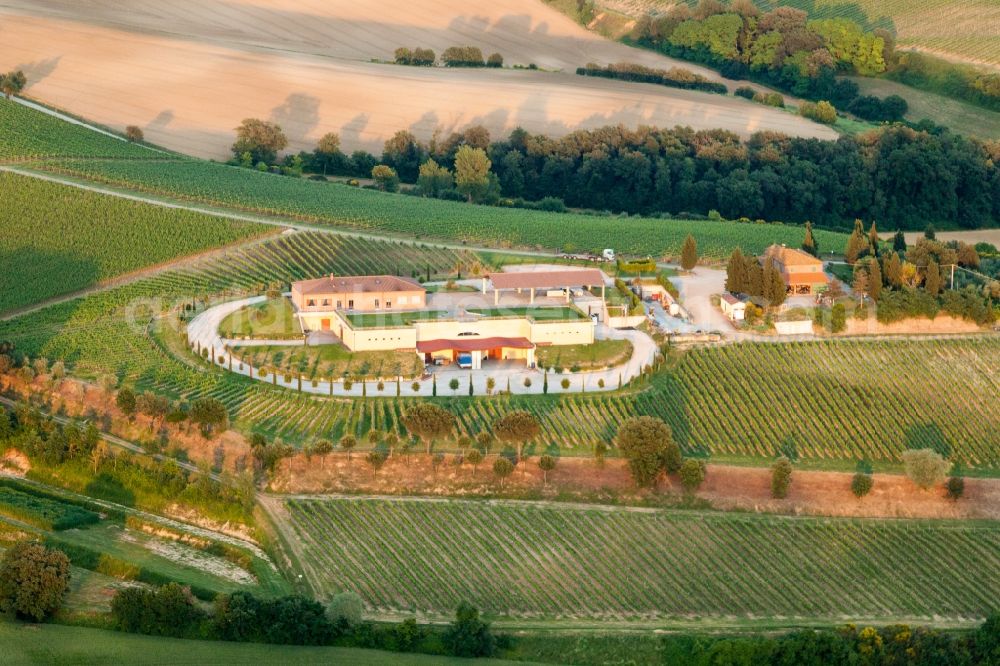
(802, 272)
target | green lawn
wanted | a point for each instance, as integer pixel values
(537, 313)
(56, 645)
(390, 319)
(599, 354)
(274, 318)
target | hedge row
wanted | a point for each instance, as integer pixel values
(44, 513)
(671, 78)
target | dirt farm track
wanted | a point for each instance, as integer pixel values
(188, 71)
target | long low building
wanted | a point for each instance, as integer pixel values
(386, 313)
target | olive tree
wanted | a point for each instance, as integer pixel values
(925, 467)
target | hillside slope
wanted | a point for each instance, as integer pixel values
(189, 83)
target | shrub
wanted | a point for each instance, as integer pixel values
(469, 636)
(861, 484)
(745, 91)
(955, 488)
(821, 112)
(345, 609)
(692, 474)
(770, 99)
(781, 477)
(134, 134)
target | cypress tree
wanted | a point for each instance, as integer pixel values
(932, 279)
(899, 241)
(736, 273)
(874, 279)
(434, 385)
(755, 278)
(892, 270)
(774, 289)
(857, 244)
(809, 243)
(873, 240)
(689, 253)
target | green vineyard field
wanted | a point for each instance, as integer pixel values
(29, 134)
(575, 562)
(399, 214)
(821, 401)
(57, 239)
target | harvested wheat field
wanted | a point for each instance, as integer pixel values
(193, 79)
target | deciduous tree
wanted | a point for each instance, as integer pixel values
(546, 463)
(261, 139)
(472, 172)
(33, 580)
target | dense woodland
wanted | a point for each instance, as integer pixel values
(900, 177)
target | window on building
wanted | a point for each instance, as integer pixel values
(350, 305)
(326, 301)
(388, 305)
(402, 300)
(311, 302)
(376, 304)
(340, 304)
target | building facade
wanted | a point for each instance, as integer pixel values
(802, 272)
(317, 301)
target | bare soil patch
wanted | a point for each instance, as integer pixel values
(941, 324)
(726, 486)
(187, 73)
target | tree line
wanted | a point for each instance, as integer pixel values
(453, 56)
(881, 175)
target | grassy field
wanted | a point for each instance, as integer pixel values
(397, 214)
(58, 239)
(600, 354)
(274, 318)
(960, 116)
(573, 562)
(55, 645)
(31, 134)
